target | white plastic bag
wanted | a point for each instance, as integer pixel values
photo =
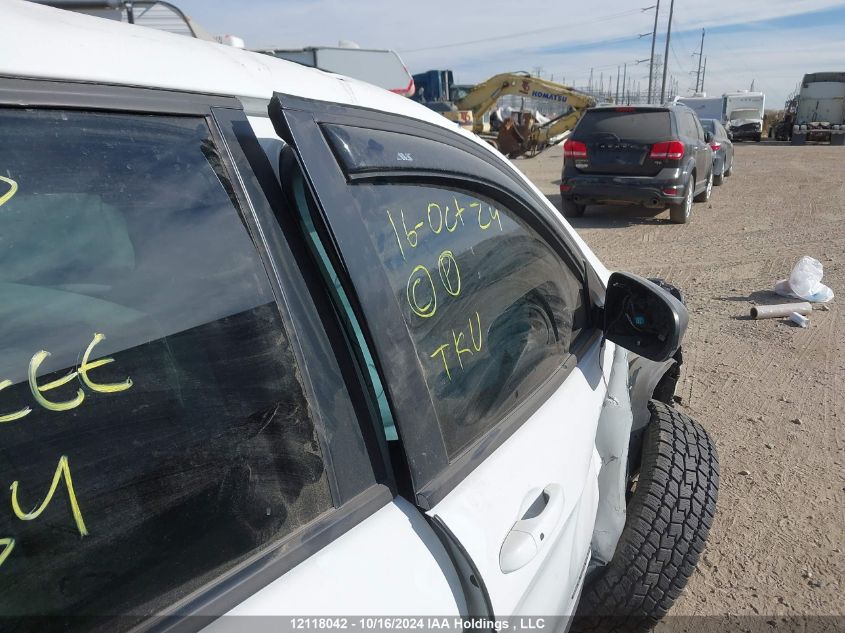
(805, 282)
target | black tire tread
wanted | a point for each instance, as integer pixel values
(669, 518)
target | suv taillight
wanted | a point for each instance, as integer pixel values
(574, 149)
(715, 145)
(668, 150)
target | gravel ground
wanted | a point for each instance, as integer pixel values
(770, 393)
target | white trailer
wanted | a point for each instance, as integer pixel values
(820, 113)
(706, 107)
(744, 114)
(380, 67)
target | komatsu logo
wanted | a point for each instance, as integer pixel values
(547, 95)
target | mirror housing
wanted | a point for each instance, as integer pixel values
(708, 136)
(643, 318)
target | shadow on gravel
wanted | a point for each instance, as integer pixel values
(760, 297)
(610, 217)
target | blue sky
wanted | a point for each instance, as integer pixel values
(770, 42)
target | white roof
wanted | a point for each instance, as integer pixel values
(47, 43)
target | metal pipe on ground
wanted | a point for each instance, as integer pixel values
(780, 310)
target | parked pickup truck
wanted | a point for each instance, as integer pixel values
(278, 342)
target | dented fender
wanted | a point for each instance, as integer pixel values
(643, 377)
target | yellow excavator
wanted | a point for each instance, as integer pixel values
(516, 136)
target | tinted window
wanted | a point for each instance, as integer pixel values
(146, 371)
(634, 126)
(709, 125)
(491, 309)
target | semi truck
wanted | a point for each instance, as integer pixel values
(820, 112)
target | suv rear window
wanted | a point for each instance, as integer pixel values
(154, 429)
(633, 126)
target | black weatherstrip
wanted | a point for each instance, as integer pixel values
(478, 600)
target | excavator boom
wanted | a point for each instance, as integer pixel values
(528, 138)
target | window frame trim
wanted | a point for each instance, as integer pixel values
(229, 588)
(298, 121)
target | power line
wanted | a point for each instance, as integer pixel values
(605, 18)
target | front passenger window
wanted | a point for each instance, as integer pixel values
(490, 307)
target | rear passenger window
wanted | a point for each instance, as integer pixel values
(490, 307)
(154, 428)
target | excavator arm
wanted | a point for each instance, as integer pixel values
(485, 95)
(529, 138)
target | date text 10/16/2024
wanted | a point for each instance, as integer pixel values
(426, 623)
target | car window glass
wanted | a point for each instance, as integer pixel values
(699, 130)
(692, 126)
(634, 126)
(146, 370)
(490, 307)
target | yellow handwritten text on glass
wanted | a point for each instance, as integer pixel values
(13, 189)
(459, 346)
(62, 472)
(8, 544)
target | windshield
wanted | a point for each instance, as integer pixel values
(633, 126)
(745, 113)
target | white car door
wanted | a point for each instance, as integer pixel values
(478, 311)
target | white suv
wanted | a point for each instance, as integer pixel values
(279, 342)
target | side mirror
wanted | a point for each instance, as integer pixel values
(643, 317)
(708, 136)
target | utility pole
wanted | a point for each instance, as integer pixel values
(700, 57)
(653, 39)
(624, 80)
(590, 85)
(666, 53)
(703, 74)
(618, 71)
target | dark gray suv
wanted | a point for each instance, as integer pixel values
(652, 156)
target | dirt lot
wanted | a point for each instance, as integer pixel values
(771, 394)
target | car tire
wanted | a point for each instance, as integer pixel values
(669, 517)
(679, 213)
(704, 196)
(719, 179)
(573, 210)
(730, 169)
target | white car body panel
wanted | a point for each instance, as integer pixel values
(382, 566)
(555, 447)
